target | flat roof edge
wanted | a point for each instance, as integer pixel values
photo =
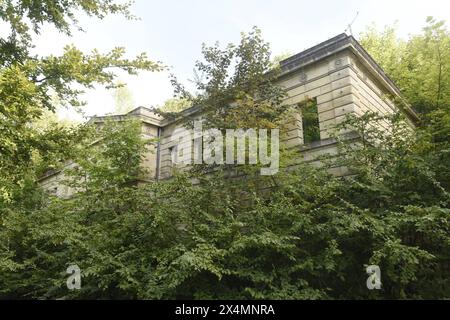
(337, 44)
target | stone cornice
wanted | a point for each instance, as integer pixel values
(337, 44)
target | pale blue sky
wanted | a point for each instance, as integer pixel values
(173, 31)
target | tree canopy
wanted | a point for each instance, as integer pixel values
(420, 66)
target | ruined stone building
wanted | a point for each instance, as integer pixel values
(338, 74)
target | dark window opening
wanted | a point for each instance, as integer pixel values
(310, 121)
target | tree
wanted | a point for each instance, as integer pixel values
(28, 86)
(40, 240)
(174, 105)
(419, 66)
(123, 98)
(235, 85)
(278, 58)
(28, 82)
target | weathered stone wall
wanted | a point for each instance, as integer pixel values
(150, 156)
(340, 84)
(54, 182)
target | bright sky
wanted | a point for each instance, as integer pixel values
(173, 31)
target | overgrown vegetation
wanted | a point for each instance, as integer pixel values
(419, 66)
(309, 238)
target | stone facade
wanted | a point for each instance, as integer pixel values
(338, 74)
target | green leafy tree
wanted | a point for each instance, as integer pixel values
(175, 105)
(123, 98)
(40, 241)
(29, 82)
(235, 86)
(419, 66)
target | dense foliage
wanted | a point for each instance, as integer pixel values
(311, 238)
(308, 237)
(420, 66)
(30, 83)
